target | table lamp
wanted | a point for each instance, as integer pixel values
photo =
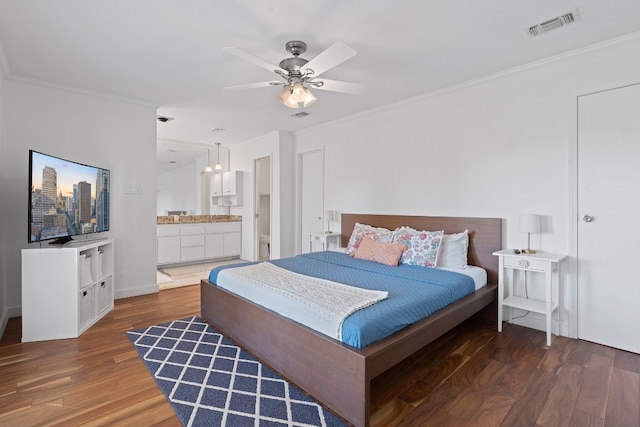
(329, 216)
(529, 223)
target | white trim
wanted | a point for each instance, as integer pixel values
(298, 191)
(256, 197)
(73, 89)
(537, 321)
(134, 292)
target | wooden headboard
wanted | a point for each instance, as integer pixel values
(485, 234)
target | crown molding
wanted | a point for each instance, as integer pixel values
(493, 76)
(73, 89)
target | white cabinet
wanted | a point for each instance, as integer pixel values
(216, 185)
(214, 245)
(325, 238)
(191, 242)
(230, 183)
(227, 189)
(181, 243)
(168, 244)
(544, 263)
(223, 239)
(66, 289)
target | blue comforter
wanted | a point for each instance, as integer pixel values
(414, 292)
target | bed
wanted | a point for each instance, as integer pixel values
(334, 373)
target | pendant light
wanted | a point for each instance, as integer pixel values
(208, 168)
(218, 166)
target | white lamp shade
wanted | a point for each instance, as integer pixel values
(310, 99)
(529, 223)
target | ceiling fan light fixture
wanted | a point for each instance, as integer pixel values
(310, 99)
(298, 93)
(286, 99)
(296, 96)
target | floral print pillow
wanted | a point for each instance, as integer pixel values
(361, 231)
(423, 247)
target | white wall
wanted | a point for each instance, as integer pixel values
(495, 148)
(101, 131)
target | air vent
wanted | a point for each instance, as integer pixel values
(164, 119)
(554, 23)
(300, 115)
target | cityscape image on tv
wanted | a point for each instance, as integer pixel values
(67, 198)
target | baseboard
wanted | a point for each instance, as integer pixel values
(138, 290)
(535, 321)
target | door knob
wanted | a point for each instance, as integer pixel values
(587, 218)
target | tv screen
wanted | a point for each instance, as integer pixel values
(66, 198)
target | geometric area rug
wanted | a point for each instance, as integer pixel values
(209, 381)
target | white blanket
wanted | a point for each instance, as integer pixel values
(317, 303)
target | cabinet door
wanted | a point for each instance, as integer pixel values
(168, 249)
(192, 253)
(214, 247)
(216, 185)
(229, 183)
(232, 244)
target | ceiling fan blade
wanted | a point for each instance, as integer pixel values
(254, 85)
(339, 86)
(335, 54)
(252, 58)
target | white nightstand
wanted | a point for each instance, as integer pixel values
(325, 238)
(546, 263)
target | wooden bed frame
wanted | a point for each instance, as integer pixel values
(334, 373)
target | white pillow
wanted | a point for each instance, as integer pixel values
(453, 253)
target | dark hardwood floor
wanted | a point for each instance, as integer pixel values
(472, 376)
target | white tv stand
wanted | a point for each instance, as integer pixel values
(65, 290)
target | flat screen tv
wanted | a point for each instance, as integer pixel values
(66, 199)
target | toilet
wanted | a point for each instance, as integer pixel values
(264, 241)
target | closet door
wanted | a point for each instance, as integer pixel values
(608, 209)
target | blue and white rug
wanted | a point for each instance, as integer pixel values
(210, 381)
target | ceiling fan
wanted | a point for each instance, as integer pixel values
(298, 75)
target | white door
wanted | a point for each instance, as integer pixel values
(311, 195)
(608, 207)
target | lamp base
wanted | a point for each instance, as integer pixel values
(528, 251)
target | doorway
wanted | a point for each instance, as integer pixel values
(311, 196)
(262, 244)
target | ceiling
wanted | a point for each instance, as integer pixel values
(169, 53)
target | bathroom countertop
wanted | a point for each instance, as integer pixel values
(191, 219)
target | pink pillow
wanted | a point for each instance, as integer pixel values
(361, 231)
(384, 253)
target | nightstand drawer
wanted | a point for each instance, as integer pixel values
(525, 263)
